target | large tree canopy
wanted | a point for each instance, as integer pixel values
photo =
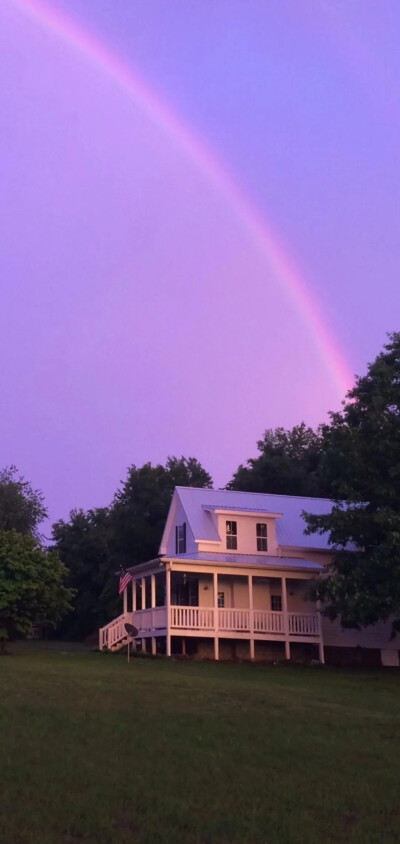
(289, 464)
(32, 588)
(21, 507)
(140, 507)
(363, 463)
(85, 546)
(95, 545)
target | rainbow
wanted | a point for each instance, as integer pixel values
(261, 233)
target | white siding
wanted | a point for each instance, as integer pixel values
(375, 636)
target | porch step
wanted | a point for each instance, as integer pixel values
(118, 645)
(113, 636)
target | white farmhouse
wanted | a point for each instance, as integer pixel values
(231, 582)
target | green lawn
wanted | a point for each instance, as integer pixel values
(94, 750)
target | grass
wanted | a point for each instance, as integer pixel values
(97, 751)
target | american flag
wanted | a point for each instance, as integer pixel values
(124, 580)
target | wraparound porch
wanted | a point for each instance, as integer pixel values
(244, 624)
(155, 604)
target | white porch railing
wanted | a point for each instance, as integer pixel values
(245, 621)
(192, 618)
(114, 635)
(304, 624)
(229, 620)
(268, 622)
(114, 631)
(235, 620)
(154, 618)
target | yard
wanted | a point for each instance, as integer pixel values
(95, 751)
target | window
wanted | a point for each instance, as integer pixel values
(262, 539)
(180, 539)
(276, 603)
(221, 599)
(231, 535)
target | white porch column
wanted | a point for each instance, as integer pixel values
(168, 603)
(152, 599)
(133, 644)
(216, 619)
(143, 583)
(153, 645)
(321, 652)
(125, 600)
(251, 614)
(286, 619)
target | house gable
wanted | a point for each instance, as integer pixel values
(176, 518)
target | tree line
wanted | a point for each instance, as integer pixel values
(354, 459)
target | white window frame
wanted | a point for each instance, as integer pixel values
(262, 536)
(180, 538)
(231, 534)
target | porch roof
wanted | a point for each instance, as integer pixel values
(263, 561)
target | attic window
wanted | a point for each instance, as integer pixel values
(180, 539)
(262, 538)
(231, 536)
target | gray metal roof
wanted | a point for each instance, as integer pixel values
(289, 528)
(250, 560)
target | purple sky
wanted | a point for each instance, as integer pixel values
(138, 318)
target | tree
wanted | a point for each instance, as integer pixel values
(21, 507)
(140, 507)
(84, 544)
(362, 462)
(95, 545)
(289, 464)
(32, 588)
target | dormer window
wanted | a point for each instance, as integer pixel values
(262, 536)
(180, 539)
(231, 536)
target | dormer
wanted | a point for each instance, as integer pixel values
(241, 531)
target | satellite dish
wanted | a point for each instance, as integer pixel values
(131, 630)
